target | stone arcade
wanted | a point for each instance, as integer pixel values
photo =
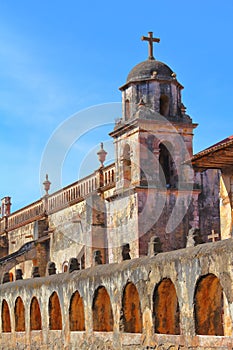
(138, 255)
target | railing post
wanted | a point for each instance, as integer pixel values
(5, 212)
(6, 206)
(46, 184)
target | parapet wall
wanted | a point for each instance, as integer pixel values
(175, 300)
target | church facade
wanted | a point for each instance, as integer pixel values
(129, 253)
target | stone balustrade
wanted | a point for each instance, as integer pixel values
(109, 176)
(102, 178)
(72, 194)
(25, 215)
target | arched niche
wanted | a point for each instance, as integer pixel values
(131, 310)
(6, 319)
(35, 315)
(55, 316)
(76, 313)
(166, 312)
(208, 306)
(102, 311)
(19, 315)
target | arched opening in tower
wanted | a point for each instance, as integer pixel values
(76, 313)
(35, 315)
(127, 110)
(102, 311)
(6, 320)
(131, 310)
(19, 315)
(164, 105)
(167, 171)
(208, 306)
(127, 166)
(166, 308)
(55, 316)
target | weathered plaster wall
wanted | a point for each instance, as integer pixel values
(209, 212)
(164, 214)
(150, 93)
(122, 223)
(226, 205)
(70, 231)
(20, 236)
(130, 215)
(17, 238)
(184, 268)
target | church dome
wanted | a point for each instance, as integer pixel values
(150, 69)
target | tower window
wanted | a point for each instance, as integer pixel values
(126, 166)
(127, 109)
(164, 105)
(164, 161)
(167, 171)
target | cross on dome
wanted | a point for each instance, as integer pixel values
(150, 40)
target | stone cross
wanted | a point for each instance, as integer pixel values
(150, 40)
(213, 236)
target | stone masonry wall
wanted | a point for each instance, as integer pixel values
(122, 221)
(182, 268)
(226, 196)
(71, 232)
(209, 211)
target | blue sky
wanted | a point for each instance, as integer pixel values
(58, 58)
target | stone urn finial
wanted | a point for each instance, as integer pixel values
(102, 154)
(47, 184)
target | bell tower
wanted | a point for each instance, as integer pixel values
(153, 84)
(154, 121)
(153, 139)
